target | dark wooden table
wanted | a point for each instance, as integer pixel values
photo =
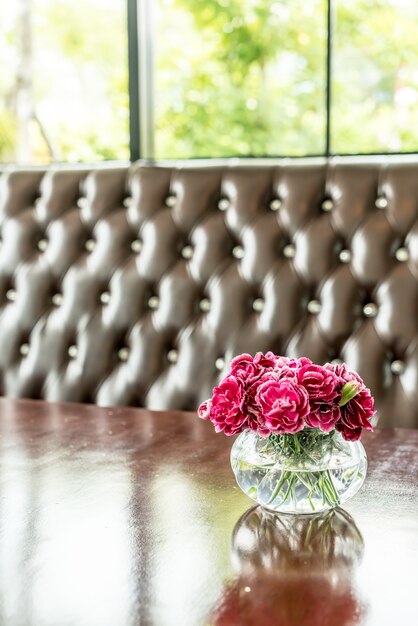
(122, 516)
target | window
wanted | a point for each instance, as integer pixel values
(64, 81)
(85, 80)
(246, 77)
(374, 76)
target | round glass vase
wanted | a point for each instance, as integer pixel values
(307, 472)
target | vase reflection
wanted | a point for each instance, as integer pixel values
(293, 571)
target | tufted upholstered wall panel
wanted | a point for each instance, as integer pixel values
(134, 285)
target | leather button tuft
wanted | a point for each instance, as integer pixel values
(397, 367)
(314, 307)
(224, 204)
(136, 246)
(327, 205)
(72, 352)
(187, 252)
(11, 295)
(402, 254)
(345, 256)
(204, 305)
(381, 203)
(238, 252)
(370, 310)
(105, 297)
(258, 305)
(42, 245)
(275, 204)
(220, 363)
(127, 202)
(57, 299)
(82, 203)
(123, 354)
(154, 302)
(170, 201)
(24, 349)
(289, 251)
(90, 245)
(172, 356)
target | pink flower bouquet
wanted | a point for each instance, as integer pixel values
(272, 394)
(303, 410)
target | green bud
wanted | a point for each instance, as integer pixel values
(350, 390)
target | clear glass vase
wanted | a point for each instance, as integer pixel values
(307, 472)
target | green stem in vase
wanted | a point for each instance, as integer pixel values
(302, 452)
(289, 487)
(279, 485)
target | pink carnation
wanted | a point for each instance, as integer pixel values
(204, 410)
(243, 366)
(356, 415)
(284, 405)
(267, 360)
(227, 408)
(322, 385)
(344, 373)
(325, 417)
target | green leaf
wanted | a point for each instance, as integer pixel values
(350, 390)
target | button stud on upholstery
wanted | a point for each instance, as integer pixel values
(220, 363)
(72, 352)
(397, 367)
(381, 203)
(337, 361)
(170, 201)
(224, 204)
(57, 299)
(90, 245)
(82, 203)
(289, 251)
(275, 204)
(42, 245)
(11, 295)
(105, 297)
(238, 252)
(154, 302)
(123, 354)
(187, 252)
(370, 310)
(327, 205)
(172, 356)
(402, 254)
(258, 305)
(136, 246)
(314, 307)
(204, 305)
(24, 349)
(127, 202)
(345, 256)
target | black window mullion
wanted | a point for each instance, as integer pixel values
(133, 80)
(328, 80)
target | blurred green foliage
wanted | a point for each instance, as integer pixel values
(375, 76)
(244, 78)
(80, 80)
(7, 135)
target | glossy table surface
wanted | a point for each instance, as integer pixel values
(123, 516)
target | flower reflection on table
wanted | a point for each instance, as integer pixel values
(292, 571)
